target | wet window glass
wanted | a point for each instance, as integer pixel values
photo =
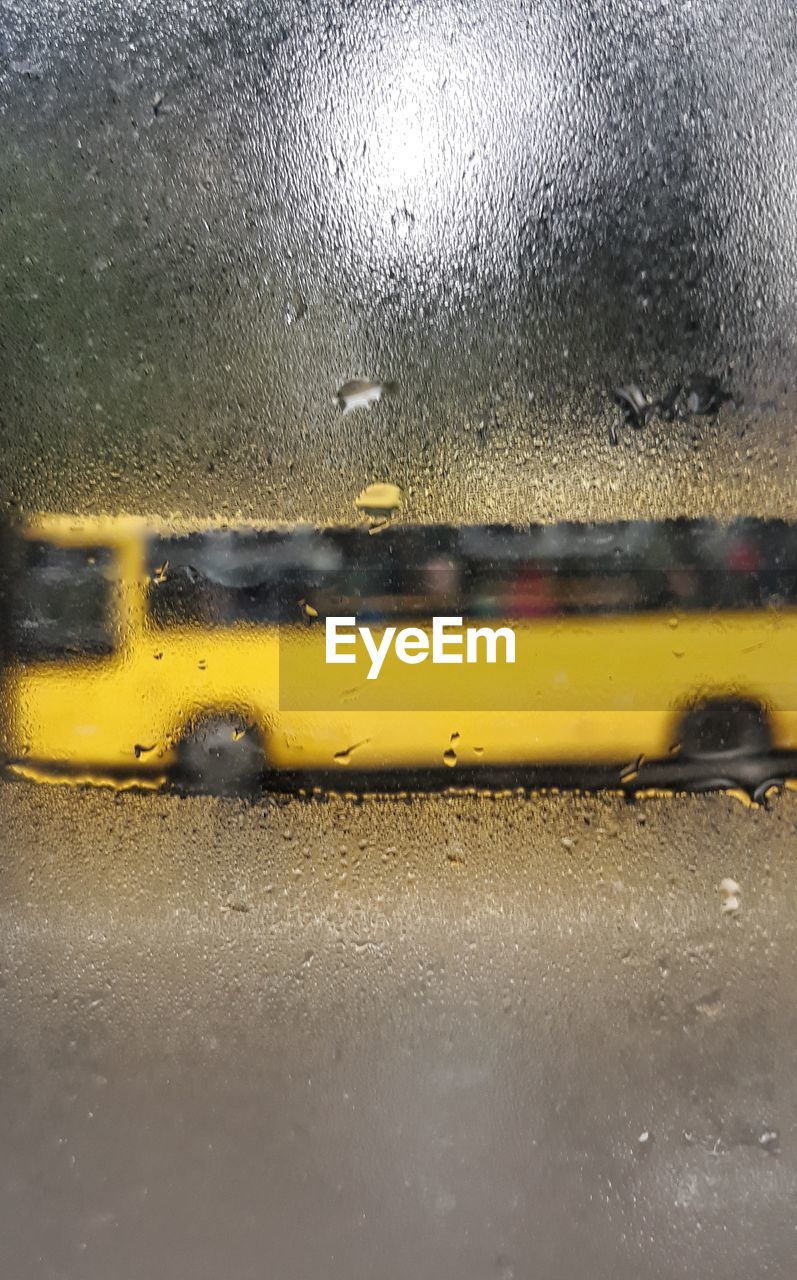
(398, 639)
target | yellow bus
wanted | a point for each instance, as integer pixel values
(144, 650)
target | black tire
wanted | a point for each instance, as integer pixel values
(725, 729)
(221, 755)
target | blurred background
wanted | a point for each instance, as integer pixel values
(465, 1035)
(215, 215)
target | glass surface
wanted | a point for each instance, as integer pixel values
(456, 339)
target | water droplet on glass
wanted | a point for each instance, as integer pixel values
(379, 499)
(729, 896)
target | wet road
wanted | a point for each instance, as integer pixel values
(452, 1036)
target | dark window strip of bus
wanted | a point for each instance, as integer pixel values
(221, 578)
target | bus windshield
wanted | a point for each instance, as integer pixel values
(62, 605)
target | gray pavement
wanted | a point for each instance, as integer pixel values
(438, 1035)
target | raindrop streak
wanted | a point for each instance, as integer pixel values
(636, 406)
(344, 757)
(298, 308)
(729, 896)
(701, 396)
(361, 393)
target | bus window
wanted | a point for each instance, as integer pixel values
(400, 573)
(226, 576)
(410, 572)
(62, 603)
(777, 577)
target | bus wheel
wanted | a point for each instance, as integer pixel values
(221, 755)
(725, 729)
